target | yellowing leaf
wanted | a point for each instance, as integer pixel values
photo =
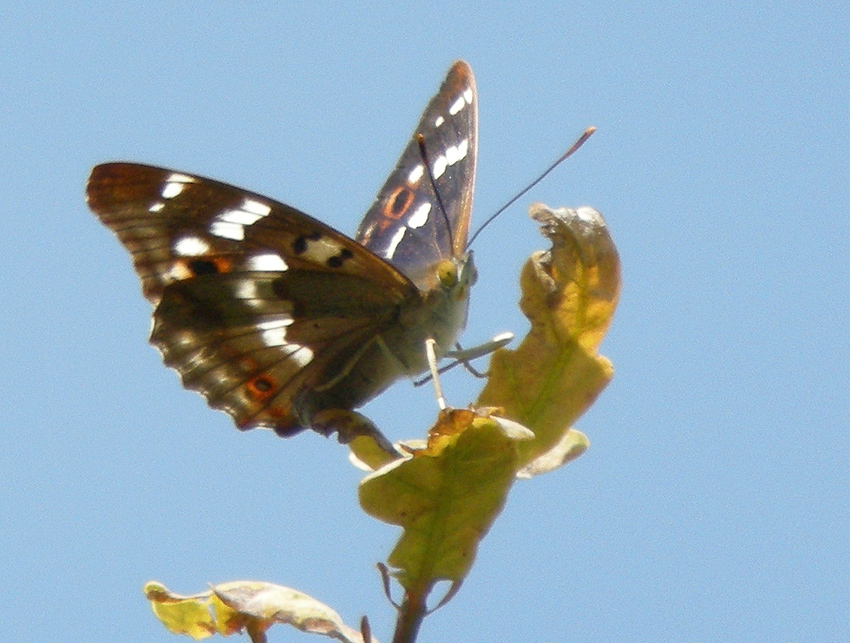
(369, 454)
(572, 445)
(188, 615)
(569, 294)
(445, 497)
(252, 606)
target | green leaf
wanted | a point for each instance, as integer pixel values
(569, 294)
(446, 494)
(445, 497)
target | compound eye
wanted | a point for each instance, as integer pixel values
(447, 273)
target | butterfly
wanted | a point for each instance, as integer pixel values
(275, 317)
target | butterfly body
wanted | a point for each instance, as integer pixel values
(274, 316)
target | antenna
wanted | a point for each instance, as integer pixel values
(581, 139)
(420, 140)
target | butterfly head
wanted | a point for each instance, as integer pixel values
(445, 303)
(457, 275)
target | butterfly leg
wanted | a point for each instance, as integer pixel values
(431, 353)
(349, 425)
(469, 368)
(463, 356)
(466, 355)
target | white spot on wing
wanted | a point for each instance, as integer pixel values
(156, 207)
(171, 190)
(230, 224)
(321, 249)
(439, 121)
(279, 322)
(191, 247)
(178, 272)
(175, 184)
(415, 174)
(397, 237)
(458, 105)
(458, 152)
(274, 335)
(266, 262)
(420, 216)
(454, 153)
(463, 148)
(452, 156)
(467, 95)
(256, 207)
(238, 216)
(301, 355)
(246, 289)
(440, 165)
(176, 177)
(226, 230)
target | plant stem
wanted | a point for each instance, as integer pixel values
(410, 615)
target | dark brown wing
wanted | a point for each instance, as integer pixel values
(406, 224)
(175, 225)
(259, 307)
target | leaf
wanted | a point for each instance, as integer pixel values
(367, 454)
(188, 615)
(447, 493)
(569, 294)
(444, 496)
(252, 606)
(572, 445)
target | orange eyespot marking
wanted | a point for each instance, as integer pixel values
(209, 266)
(260, 388)
(398, 203)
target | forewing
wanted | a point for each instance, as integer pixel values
(256, 303)
(177, 226)
(406, 224)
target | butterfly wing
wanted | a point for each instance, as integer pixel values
(274, 316)
(259, 307)
(407, 225)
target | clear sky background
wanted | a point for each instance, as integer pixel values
(713, 502)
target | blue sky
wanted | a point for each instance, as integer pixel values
(713, 502)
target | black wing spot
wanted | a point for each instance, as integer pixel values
(200, 267)
(263, 384)
(337, 260)
(299, 246)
